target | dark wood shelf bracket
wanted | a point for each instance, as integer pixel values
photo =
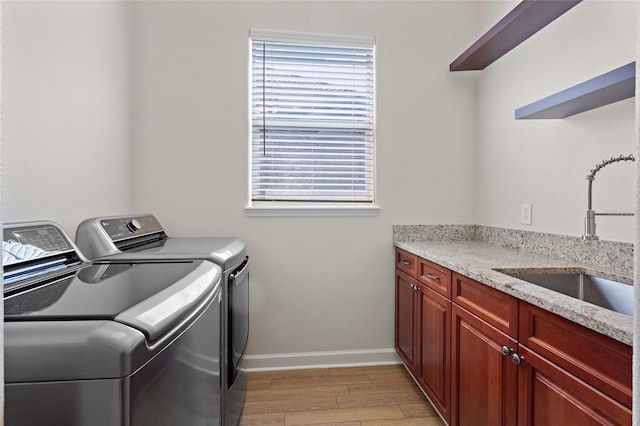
(526, 19)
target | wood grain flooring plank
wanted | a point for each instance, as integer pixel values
(276, 419)
(372, 388)
(338, 424)
(289, 405)
(258, 384)
(401, 376)
(294, 393)
(300, 382)
(342, 415)
(392, 398)
(425, 421)
(374, 369)
(353, 396)
(423, 409)
(311, 372)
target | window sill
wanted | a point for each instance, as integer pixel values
(310, 210)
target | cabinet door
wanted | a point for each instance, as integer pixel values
(484, 381)
(549, 395)
(406, 318)
(598, 360)
(435, 349)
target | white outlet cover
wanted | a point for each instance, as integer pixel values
(526, 213)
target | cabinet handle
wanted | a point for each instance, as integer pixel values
(433, 277)
(506, 351)
(405, 262)
(414, 288)
(517, 359)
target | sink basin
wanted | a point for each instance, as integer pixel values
(602, 292)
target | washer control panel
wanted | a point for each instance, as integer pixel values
(46, 237)
(120, 228)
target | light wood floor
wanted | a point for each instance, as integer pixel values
(362, 396)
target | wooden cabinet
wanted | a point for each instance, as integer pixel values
(580, 374)
(407, 305)
(423, 327)
(540, 368)
(486, 358)
(484, 379)
(549, 395)
(434, 358)
(485, 326)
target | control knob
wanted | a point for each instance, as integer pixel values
(134, 225)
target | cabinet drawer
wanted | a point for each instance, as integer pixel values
(599, 360)
(406, 262)
(495, 307)
(435, 276)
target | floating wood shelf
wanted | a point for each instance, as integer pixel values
(526, 19)
(605, 89)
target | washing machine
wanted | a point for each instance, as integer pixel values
(107, 344)
(141, 237)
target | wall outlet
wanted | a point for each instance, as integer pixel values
(525, 213)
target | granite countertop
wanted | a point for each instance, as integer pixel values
(480, 259)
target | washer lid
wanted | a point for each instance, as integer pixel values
(227, 252)
(119, 238)
(151, 297)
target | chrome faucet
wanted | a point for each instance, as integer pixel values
(590, 220)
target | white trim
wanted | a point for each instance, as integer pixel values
(311, 38)
(310, 210)
(328, 359)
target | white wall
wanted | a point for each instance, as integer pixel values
(108, 111)
(545, 162)
(66, 126)
(318, 284)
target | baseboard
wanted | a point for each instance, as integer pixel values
(305, 360)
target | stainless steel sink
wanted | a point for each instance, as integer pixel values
(602, 292)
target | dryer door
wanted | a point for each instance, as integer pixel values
(238, 317)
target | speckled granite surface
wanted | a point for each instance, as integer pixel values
(609, 255)
(478, 252)
(435, 232)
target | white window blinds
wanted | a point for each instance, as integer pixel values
(312, 115)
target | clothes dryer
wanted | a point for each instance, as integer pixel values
(107, 344)
(141, 237)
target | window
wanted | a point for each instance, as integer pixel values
(312, 120)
